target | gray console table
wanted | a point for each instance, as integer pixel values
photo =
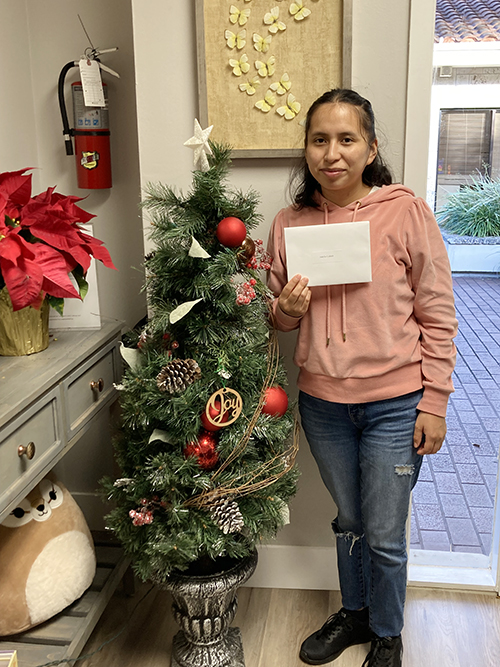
(48, 402)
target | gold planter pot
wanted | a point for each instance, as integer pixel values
(24, 331)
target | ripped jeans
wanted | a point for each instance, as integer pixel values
(367, 461)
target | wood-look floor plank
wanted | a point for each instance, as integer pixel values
(251, 618)
(30, 655)
(442, 629)
(451, 629)
(147, 638)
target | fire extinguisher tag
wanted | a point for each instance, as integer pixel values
(91, 82)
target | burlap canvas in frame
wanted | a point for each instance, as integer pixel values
(261, 63)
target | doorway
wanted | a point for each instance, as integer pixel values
(455, 531)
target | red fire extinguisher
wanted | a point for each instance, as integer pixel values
(91, 133)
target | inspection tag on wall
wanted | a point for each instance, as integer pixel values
(90, 72)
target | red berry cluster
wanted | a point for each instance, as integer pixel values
(144, 515)
(261, 258)
(245, 292)
(141, 517)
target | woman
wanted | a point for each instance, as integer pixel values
(375, 362)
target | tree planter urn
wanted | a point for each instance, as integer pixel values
(204, 606)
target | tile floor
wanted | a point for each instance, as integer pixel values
(454, 498)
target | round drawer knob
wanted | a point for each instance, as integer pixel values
(97, 385)
(28, 451)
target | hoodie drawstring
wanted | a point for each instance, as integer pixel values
(325, 220)
(344, 297)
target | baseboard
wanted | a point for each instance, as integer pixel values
(303, 568)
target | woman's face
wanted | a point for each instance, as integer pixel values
(337, 152)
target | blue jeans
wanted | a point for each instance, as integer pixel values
(368, 463)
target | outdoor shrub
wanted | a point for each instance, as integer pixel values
(474, 210)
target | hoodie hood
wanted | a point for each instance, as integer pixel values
(376, 196)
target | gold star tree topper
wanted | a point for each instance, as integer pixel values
(199, 143)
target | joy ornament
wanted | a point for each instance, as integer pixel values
(223, 408)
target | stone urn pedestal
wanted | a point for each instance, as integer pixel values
(204, 607)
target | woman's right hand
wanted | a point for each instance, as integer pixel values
(295, 297)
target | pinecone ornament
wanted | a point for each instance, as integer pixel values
(178, 375)
(226, 514)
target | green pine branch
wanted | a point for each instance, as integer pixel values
(230, 343)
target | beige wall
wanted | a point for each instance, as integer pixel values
(18, 146)
(152, 108)
(36, 40)
(165, 55)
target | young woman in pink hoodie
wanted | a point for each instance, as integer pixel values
(375, 362)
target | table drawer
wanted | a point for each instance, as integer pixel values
(41, 425)
(89, 388)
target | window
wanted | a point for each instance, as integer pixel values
(469, 143)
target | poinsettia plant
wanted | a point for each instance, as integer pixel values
(42, 244)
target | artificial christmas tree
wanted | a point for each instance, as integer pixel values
(206, 473)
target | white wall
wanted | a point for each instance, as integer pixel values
(18, 146)
(166, 71)
(36, 40)
(420, 52)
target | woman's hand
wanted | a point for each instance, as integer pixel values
(429, 434)
(295, 297)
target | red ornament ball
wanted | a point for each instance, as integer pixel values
(204, 449)
(231, 232)
(213, 412)
(275, 402)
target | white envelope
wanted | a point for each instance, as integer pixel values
(334, 254)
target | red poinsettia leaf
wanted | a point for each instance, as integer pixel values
(61, 291)
(70, 208)
(55, 269)
(98, 250)
(9, 248)
(61, 205)
(12, 246)
(23, 281)
(38, 301)
(15, 186)
(3, 206)
(80, 255)
(56, 233)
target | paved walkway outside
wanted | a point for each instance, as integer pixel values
(454, 498)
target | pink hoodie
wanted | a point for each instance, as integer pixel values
(372, 341)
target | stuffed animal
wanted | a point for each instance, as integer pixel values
(47, 557)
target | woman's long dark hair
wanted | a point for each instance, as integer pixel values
(303, 185)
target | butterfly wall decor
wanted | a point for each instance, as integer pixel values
(262, 63)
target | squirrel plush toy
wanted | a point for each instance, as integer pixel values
(47, 557)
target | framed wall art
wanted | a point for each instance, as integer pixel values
(261, 63)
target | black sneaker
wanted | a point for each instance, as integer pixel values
(339, 632)
(385, 652)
